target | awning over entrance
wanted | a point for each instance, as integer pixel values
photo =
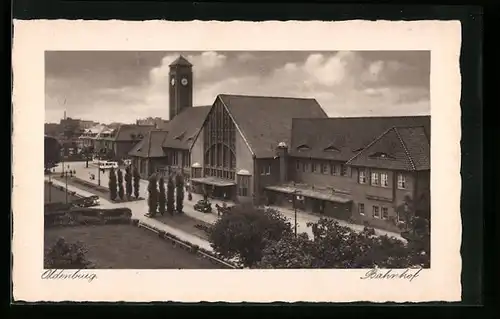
(311, 193)
(213, 181)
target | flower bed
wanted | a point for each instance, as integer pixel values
(87, 216)
(176, 241)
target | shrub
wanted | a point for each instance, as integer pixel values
(170, 195)
(153, 196)
(137, 179)
(112, 184)
(120, 184)
(162, 197)
(179, 186)
(63, 255)
(128, 182)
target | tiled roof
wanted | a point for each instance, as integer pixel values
(130, 132)
(266, 121)
(182, 129)
(150, 145)
(342, 138)
(181, 61)
(399, 148)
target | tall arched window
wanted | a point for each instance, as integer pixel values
(219, 144)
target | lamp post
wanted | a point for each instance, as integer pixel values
(65, 175)
(50, 186)
(295, 192)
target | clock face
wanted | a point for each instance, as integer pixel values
(184, 81)
(172, 81)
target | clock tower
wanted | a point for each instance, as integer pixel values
(181, 86)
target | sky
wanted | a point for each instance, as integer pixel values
(122, 86)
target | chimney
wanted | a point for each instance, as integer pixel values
(283, 158)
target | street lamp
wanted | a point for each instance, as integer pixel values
(295, 192)
(65, 175)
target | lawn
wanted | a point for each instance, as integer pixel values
(127, 247)
(54, 195)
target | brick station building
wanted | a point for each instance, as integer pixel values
(286, 151)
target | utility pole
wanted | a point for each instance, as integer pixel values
(50, 187)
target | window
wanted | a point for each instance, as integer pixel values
(314, 167)
(186, 159)
(376, 212)
(265, 170)
(305, 167)
(333, 169)
(343, 170)
(375, 180)
(385, 213)
(401, 181)
(361, 209)
(324, 169)
(243, 182)
(362, 176)
(175, 160)
(384, 180)
(297, 163)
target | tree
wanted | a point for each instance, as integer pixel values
(246, 232)
(162, 197)
(179, 186)
(112, 184)
(335, 246)
(153, 196)
(128, 182)
(137, 178)
(52, 152)
(170, 195)
(120, 184)
(63, 255)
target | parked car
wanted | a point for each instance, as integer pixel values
(203, 206)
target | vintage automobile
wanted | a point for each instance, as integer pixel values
(203, 206)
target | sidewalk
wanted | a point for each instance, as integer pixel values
(139, 214)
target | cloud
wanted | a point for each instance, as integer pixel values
(344, 83)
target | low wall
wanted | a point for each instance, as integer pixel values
(187, 246)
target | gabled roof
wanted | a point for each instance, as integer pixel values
(131, 132)
(349, 135)
(150, 145)
(399, 148)
(180, 61)
(266, 121)
(182, 129)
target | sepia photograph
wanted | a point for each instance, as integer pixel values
(193, 165)
(237, 159)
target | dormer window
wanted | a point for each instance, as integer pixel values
(331, 148)
(303, 148)
(357, 150)
(140, 136)
(380, 155)
(180, 136)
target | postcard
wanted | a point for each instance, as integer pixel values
(236, 161)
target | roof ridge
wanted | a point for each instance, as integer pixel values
(268, 96)
(370, 144)
(405, 148)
